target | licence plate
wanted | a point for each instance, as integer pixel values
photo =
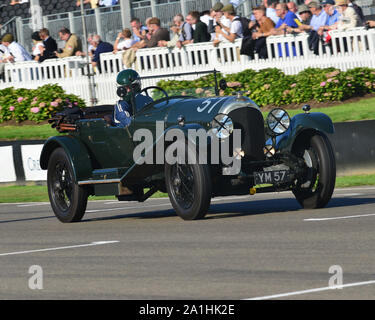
(277, 176)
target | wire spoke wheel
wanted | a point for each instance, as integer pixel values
(68, 199)
(315, 187)
(62, 186)
(188, 183)
(183, 185)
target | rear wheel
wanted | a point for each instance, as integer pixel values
(68, 199)
(314, 189)
(188, 185)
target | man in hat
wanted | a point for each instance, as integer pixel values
(16, 51)
(304, 14)
(221, 20)
(348, 16)
(332, 13)
(235, 30)
(319, 17)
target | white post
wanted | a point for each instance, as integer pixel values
(71, 22)
(98, 23)
(247, 8)
(183, 8)
(153, 8)
(125, 13)
(19, 30)
(36, 15)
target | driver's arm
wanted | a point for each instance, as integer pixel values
(121, 116)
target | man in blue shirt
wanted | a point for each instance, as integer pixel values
(286, 19)
(332, 13)
(101, 47)
(319, 17)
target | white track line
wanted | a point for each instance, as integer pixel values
(347, 194)
(340, 218)
(33, 204)
(281, 295)
(96, 243)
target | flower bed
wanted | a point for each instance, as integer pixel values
(273, 87)
(35, 104)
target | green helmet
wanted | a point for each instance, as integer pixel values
(129, 82)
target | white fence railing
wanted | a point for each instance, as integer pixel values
(351, 48)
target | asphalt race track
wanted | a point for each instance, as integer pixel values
(261, 246)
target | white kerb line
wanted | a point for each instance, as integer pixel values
(340, 218)
(96, 243)
(281, 295)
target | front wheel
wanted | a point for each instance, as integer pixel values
(314, 189)
(68, 199)
(188, 185)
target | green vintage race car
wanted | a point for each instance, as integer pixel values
(278, 154)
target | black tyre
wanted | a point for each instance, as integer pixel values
(315, 188)
(68, 199)
(189, 186)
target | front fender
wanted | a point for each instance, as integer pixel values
(76, 151)
(317, 121)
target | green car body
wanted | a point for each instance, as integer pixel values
(101, 155)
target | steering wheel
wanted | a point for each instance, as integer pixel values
(154, 87)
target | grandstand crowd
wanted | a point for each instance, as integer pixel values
(219, 24)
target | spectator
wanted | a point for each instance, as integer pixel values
(50, 45)
(209, 20)
(176, 31)
(101, 47)
(93, 3)
(157, 34)
(305, 14)
(348, 17)
(38, 47)
(149, 32)
(358, 11)
(200, 33)
(371, 23)
(286, 19)
(220, 20)
(107, 3)
(72, 43)
(234, 31)
(319, 16)
(293, 8)
(271, 10)
(4, 53)
(186, 34)
(332, 13)
(17, 53)
(261, 29)
(126, 40)
(139, 31)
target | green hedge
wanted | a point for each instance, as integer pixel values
(35, 104)
(273, 87)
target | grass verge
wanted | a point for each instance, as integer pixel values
(353, 111)
(35, 193)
